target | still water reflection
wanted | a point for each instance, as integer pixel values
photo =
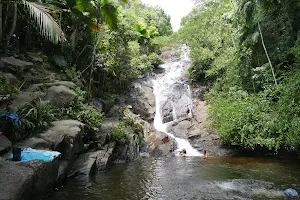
(191, 178)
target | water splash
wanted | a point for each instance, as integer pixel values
(163, 87)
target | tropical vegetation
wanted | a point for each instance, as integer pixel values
(101, 45)
(247, 52)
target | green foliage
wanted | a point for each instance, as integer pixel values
(227, 53)
(129, 51)
(155, 59)
(5, 87)
(34, 118)
(121, 134)
(81, 111)
(129, 128)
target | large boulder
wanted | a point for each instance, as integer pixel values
(27, 180)
(60, 95)
(64, 136)
(88, 163)
(181, 129)
(106, 129)
(5, 144)
(17, 64)
(127, 152)
(105, 158)
(142, 99)
(68, 84)
(155, 142)
(22, 99)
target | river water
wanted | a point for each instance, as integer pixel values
(177, 178)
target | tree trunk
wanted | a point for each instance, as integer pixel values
(93, 58)
(13, 28)
(5, 18)
(1, 29)
(263, 43)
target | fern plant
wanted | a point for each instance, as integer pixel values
(34, 118)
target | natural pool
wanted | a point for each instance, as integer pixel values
(174, 178)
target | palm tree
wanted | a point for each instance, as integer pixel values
(41, 14)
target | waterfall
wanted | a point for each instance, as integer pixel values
(173, 98)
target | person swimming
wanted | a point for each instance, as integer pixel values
(204, 154)
(182, 152)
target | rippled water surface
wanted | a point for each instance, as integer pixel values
(187, 178)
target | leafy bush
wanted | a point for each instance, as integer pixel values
(34, 118)
(6, 87)
(121, 134)
(129, 128)
(155, 59)
(81, 111)
(245, 120)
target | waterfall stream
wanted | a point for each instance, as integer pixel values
(173, 99)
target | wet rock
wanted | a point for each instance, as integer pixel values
(22, 99)
(5, 144)
(167, 113)
(181, 129)
(85, 164)
(125, 153)
(60, 95)
(144, 155)
(105, 157)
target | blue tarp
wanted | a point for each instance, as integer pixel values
(13, 116)
(32, 154)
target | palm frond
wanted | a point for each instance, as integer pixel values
(46, 23)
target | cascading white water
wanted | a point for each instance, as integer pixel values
(174, 75)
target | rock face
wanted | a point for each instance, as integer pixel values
(30, 180)
(200, 135)
(68, 84)
(65, 136)
(16, 62)
(27, 181)
(88, 163)
(5, 144)
(22, 99)
(60, 95)
(141, 99)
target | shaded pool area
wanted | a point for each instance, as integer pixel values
(187, 178)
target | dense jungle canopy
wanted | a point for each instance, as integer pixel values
(248, 53)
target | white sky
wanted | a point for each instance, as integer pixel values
(175, 8)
